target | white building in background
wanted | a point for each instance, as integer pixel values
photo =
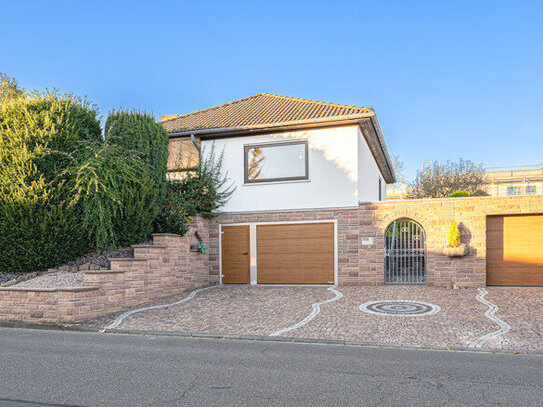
(512, 181)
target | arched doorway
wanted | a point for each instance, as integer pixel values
(405, 253)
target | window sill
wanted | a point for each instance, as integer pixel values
(296, 181)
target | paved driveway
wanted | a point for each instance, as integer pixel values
(513, 317)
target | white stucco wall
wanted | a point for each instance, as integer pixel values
(336, 158)
(368, 173)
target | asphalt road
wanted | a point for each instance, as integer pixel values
(51, 368)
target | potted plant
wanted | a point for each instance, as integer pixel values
(455, 247)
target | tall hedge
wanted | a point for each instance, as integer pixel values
(138, 133)
(39, 224)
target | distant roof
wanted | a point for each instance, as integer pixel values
(262, 110)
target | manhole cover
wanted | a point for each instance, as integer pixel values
(400, 308)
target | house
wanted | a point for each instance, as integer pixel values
(310, 204)
(525, 180)
(289, 157)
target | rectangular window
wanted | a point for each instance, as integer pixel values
(530, 190)
(511, 191)
(276, 162)
(182, 154)
(380, 189)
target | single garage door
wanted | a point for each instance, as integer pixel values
(235, 254)
(301, 253)
(514, 250)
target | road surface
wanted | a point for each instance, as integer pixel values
(52, 368)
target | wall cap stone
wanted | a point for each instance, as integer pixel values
(166, 234)
(104, 272)
(68, 289)
(147, 246)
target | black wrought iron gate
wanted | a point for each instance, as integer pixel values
(405, 253)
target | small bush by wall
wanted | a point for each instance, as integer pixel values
(459, 194)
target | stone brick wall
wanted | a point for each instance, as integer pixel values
(168, 265)
(157, 270)
(347, 236)
(436, 216)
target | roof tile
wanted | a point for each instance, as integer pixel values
(258, 110)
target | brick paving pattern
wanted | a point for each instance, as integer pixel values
(460, 320)
(522, 309)
(233, 310)
(262, 310)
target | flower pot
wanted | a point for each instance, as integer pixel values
(459, 251)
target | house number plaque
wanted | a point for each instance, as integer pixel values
(367, 241)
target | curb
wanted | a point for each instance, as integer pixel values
(48, 327)
(318, 341)
(261, 338)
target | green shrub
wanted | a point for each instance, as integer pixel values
(103, 175)
(138, 134)
(201, 192)
(459, 194)
(454, 235)
(39, 224)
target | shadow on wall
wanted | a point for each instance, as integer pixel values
(331, 152)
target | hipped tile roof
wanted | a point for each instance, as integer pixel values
(261, 110)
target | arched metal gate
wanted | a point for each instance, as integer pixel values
(405, 253)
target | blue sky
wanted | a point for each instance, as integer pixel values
(448, 79)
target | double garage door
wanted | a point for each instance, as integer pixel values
(295, 253)
(514, 254)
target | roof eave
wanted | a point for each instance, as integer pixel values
(381, 139)
(268, 126)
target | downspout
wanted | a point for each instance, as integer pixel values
(193, 139)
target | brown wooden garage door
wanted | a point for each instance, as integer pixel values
(295, 253)
(514, 250)
(235, 255)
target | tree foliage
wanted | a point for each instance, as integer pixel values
(138, 134)
(39, 225)
(441, 180)
(202, 192)
(399, 169)
(9, 88)
(102, 174)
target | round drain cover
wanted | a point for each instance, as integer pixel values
(399, 308)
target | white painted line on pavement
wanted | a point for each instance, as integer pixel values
(315, 311)
(120, 318)
(490, 314)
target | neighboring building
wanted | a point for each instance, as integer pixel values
(525, 180)
(304, 167)
(399, 190)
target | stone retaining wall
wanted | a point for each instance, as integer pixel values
(158, 270)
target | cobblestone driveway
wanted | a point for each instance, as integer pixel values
(263, 310)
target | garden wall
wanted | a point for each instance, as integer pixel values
(436, 216)
(157, 270)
